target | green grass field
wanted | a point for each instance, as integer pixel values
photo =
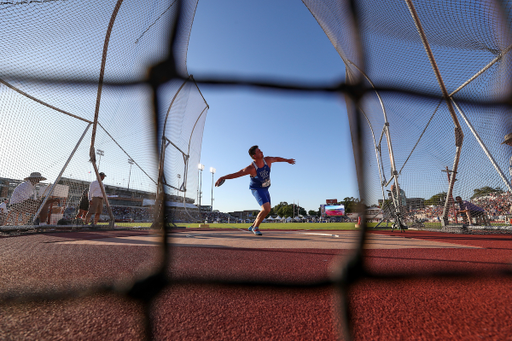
(283, 226)
(303, 226)
(275, 226)
(270, 226)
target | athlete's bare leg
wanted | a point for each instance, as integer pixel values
(468, 213)
(265, 210)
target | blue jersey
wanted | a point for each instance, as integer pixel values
(466, 205)
(262, 178)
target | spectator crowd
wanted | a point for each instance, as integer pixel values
(496, 205)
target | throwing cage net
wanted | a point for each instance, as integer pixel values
(180, 153)
(90, 87)
(70, 132)
(448, 142)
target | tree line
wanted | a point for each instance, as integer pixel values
(285, 210)
(439, 198)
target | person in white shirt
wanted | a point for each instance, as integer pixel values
(24, 200)
(95, 200)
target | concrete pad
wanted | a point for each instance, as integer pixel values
(237, 238)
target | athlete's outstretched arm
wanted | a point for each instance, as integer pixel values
(246, 171)
(272, 159)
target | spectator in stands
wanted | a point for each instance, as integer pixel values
(24, 200)
(3, 206)
(259, 171)
(402, 199)
(3, 210)
(83, 205)
(508, 141)
(471, 210)
(95, 201)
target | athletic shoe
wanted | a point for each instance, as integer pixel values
(250, 228)
(257, 232)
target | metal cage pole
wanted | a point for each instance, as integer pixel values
(459, 135)
(160, 196)
(482, 144)
(376, 147)
(468, 122)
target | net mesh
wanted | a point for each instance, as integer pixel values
(411, 141)
(182, 136)
(50, 127)
(78, 83)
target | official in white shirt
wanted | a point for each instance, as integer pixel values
(24, 200)
(95, 200)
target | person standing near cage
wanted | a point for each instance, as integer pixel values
(83, 205)
(95, 201)
(259, 172)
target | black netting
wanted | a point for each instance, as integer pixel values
(427, 89)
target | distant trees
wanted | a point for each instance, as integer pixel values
(285, 210)
(439, 198)
(436, 199)
(482, 192)
(350, 204)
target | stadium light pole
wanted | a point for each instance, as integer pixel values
(131, 162)
(100, 153)
(200, 167)
(212, 170)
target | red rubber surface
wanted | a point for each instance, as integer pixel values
(418, 309)
(476, 308)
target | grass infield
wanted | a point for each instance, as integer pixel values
(284, 226)
(263, 226)
(298, 226)
(277, 226)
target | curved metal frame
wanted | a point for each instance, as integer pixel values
(92, 151)
(186, 156)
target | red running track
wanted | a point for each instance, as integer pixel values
(419, 308)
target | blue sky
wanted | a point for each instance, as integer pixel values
(271, 40)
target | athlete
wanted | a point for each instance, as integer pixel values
(259, 171)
